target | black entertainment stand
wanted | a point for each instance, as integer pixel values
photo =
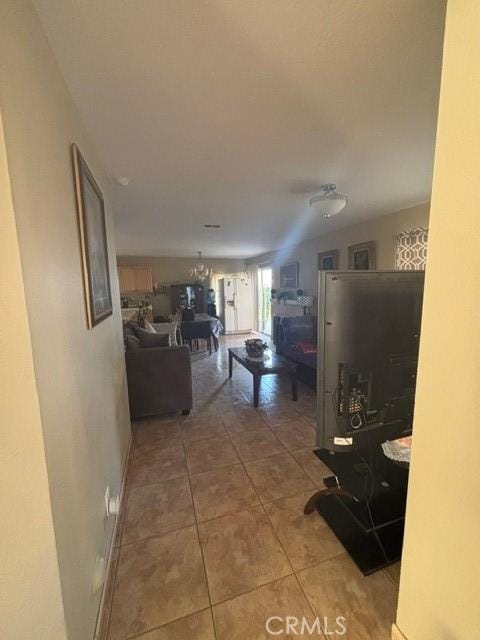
(364, 504)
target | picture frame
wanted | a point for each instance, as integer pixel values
(328, 260)
(362, 257)
(289, 276)
(93, 242)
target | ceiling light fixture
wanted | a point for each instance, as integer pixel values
(200, 271)
(329, 203)
(123, 181)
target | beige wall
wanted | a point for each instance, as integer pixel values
(168, 271)
(31, 600)
(80, 374)
(382, 230)
(439, 587)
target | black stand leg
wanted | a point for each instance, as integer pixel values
(256, 389)
(230, 364)
(294, 385)
(313, 501)
(367, 520)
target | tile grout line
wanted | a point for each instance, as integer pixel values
(276, 534)
(395, 583)
(260, 504)
(270, 524)
(272, 528)
(217, 415)
(314, 611)
(285, 552)
(248, 591)
(294, 573)
(152, 484)
(240, 462)
(228, 513)
(162, 626)
(200, 542)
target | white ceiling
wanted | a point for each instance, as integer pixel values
(236, 111)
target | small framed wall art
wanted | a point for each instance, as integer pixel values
(328, 260)
(362, 257)
(289, 276)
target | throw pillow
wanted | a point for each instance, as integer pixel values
(131, 342)
(148, 339)
(149, 327)
(305, 346)
(128, 329)
(167, 327)
(136, 328)
(298, 334)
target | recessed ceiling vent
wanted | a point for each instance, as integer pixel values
(212, 226)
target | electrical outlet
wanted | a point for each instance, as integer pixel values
(112, 504)
(98, 577)
(107, 502)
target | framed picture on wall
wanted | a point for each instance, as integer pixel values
(328, 260)
(362, 257)
(93, 242)
(289, 276)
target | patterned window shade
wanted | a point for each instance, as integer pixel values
(411, 249)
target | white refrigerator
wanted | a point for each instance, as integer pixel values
(236, 303)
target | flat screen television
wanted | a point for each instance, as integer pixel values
(368, 339)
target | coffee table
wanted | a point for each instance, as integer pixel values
(270, 364)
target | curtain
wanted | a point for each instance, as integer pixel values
(411, 249)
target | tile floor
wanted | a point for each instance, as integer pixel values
(212, 539)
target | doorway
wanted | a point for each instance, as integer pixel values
(264, 300)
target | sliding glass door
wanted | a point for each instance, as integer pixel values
(264, 300)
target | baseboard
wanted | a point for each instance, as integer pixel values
(397, 634)
(241, 332)
(110, 546)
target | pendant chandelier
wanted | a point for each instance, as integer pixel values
(200, 272)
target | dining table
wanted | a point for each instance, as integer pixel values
(215, 324)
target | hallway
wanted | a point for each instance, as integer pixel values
(212, 540)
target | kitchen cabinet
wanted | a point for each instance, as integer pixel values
(135, 279)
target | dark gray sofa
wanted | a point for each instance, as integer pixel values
(159, 380)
